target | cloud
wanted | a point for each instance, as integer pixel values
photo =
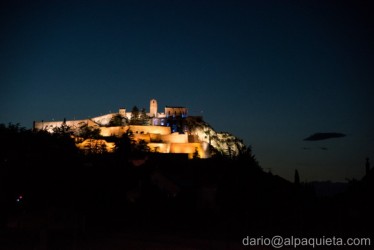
(308, 148)
(323, 136)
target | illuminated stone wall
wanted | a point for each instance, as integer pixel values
(144, 137)
(113, 131)
(157, 134)
(188, 148)
(74, 125)
(150, 130)
(104, 119)
(180, 148)
(159, 147)
(177, 111)
(175, 137)
(135, 129)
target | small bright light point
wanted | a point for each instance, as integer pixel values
(20, 196)
(17, 200)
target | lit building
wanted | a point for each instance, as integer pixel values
(164, 132)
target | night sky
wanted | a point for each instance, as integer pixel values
(270, 72)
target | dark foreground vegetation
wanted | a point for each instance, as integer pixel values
(54, 197)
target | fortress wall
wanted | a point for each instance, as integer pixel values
(161, 115)
(144, 137)
(159, 147)
(137, 130)
(188, 148)
(155, 137)
(193, 138)
(178, 111)
(205, 146)
(90, 123)
(74, 125)
(150, 129)
(46, 125)
(104, 119)
(175, 138)
(116, 131)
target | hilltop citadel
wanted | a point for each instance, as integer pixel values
(168, 132)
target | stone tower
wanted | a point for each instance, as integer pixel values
(153, 108)
(122, 112)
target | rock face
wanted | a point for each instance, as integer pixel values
(223, 142)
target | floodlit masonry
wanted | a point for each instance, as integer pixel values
(163, 132)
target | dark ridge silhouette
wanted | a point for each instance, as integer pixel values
(367, 166)
(323, 136)
(52, 196)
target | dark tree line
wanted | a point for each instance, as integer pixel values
(134, 188)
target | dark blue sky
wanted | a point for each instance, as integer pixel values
(270, 72)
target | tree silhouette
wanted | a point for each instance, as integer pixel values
(87, 132)
(196, 154)
(63, 131)
(143, 119)
(134, 116)
(367, 166)
(245, 155)
(140, 147)
(117, 120)
(124, 145)
(297, 178)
